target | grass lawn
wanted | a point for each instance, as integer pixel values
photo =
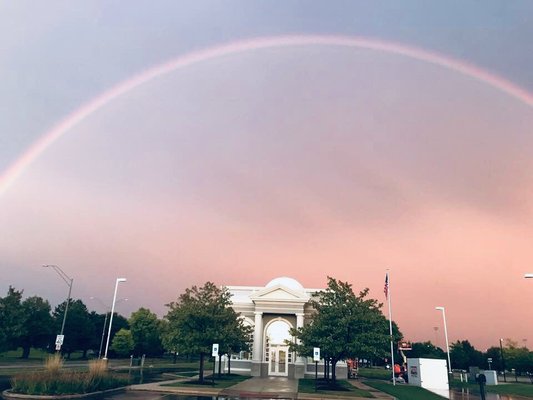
(342, 388)
(404, 392)
(15, 355)
(519, 389)
(224, 382)
(188, 374)
(375, 373)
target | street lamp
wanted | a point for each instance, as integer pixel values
(528, 276)
(446, 337)
(111, 318)
(503, 360)
(69, 282)
(105, 321)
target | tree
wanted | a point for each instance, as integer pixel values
(517, 358)
(236, 337)
(100, 336)
(199, 318)
(123, 343)
(494, 353)
(146, 332)
(463, 355)
(426, 350)
(37, 326)
(79, 331)
(345, 326)
(10, 319)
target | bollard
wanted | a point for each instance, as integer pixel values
(481, 379)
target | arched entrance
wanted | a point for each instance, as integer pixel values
(276, 348)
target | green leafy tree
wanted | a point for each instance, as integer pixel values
(494, 353)
(11, 323)
(37, 326)
(425, 350)
(345, 326)
(100, 336)
(146, 332)
(123, 343)
(463, 355)
(235, 337)
(517, 357)
(199, 318)
(79, 331)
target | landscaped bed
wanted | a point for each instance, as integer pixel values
(54, 380)
(340, 387)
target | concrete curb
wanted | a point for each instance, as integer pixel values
(7, 394)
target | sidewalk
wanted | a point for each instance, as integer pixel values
(257, 388)
(158, 387)
(271, 388)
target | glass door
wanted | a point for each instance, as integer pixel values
(279, 361)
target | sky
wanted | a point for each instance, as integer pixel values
(267, 150)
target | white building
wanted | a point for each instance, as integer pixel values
(272, 310)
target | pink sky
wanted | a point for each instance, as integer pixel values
(300, 162)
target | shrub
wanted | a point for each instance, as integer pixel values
(53, 363)
(66, 382)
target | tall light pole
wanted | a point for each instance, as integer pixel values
(503, 360)
(105, 322)
(69, 282)
(446, 337)
(111, 318)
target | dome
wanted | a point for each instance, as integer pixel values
(285, 281)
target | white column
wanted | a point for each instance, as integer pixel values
(258, 337)
(299, 324)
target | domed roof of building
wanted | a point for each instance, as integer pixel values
(285, 281)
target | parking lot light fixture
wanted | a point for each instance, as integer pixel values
(119, 280)
(446, 337)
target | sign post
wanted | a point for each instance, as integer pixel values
(59, 341)
(214, 353)
(316, 359)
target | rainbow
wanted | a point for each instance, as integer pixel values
(47, 139)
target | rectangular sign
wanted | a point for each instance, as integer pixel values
(58, 347)
(60, 339)
(214, 353)
(316, 354)
(404, 346)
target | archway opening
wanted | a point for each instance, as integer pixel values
(277, 352)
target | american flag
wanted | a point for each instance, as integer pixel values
(386, 287)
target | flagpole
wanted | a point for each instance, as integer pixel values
(390, 328)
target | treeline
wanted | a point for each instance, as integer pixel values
(31, 323)
(200, 317)
(463, 355)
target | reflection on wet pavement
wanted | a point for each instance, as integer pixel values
(142, 395)
(464, 394)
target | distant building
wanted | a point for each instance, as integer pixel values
(272, 310)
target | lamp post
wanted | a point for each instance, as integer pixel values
(503, 360)
(105, 322)
(111, 318)
(69, 282)
(446, 337)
